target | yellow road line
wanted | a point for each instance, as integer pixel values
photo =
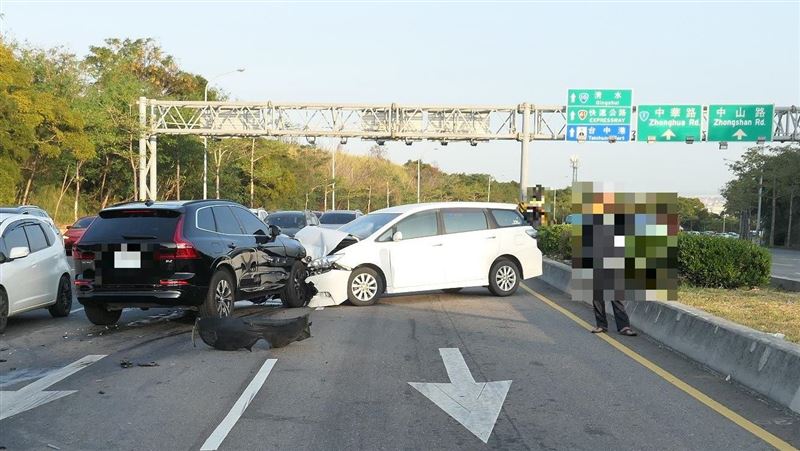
(672, 379)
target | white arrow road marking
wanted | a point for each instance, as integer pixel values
(740, 134)
(32, 395)
(215, 439)
(475, 405)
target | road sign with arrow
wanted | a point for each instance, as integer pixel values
(668, 123)
(740, 122)
(598, 114)
(475, 405)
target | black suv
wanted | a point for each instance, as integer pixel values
(202, 255)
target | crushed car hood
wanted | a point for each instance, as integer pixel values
(319, 241)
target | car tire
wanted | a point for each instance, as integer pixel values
(364, 287)
(4, 308)
(63, 299)
(452, 290)
(293, 294)
(101, 316)
(221, 296)
(504, 277)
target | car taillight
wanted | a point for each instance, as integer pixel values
(172, 282)
(184, 250)
(83, 282)
(77, 254)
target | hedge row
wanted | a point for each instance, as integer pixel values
(703, 261)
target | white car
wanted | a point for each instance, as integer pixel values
(34, 270)
(422, 247)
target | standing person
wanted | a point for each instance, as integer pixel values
(620, 317)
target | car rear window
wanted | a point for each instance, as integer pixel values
(508, 218)
(467, 220)
(336, 218)
(140, 224)
(287, 220)
(83, 222)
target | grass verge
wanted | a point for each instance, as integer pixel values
(763, 309)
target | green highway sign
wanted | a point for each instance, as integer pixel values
(599, 97)
(668, 122)
(740, 122)
(598, 114)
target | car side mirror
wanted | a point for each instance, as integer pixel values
(18, 252)
(274, 230)
(397, 236)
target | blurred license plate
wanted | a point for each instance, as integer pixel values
(126, 259)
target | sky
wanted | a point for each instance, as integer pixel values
(471, 53)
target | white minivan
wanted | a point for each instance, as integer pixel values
(34, 270)
(419, 247)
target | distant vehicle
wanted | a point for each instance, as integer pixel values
(333, 219)
(202, 255)
(75, 232)
(291, 222)
(260, 213)
(32, 210)
(34, 272)
(421, 247)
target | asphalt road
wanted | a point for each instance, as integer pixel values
(786, 263)
(348, 386)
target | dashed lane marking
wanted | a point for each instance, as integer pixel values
(215, 439)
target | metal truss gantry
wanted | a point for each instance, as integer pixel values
(379, 122)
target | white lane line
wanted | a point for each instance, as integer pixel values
(320, 308)
(215, 439)
(76, 310)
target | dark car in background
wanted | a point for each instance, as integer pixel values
(75, 232)
(202, 255)
(333, 219)
(291, 222)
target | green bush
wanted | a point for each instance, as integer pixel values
(555, 241)
(711, 261)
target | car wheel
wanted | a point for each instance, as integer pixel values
(503, 277)
(294, 292)
(63, 299)
(220, 297)
(364, 287)
(452, 290)
(3, 311)
(101, 316)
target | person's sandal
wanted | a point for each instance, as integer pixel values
(628, 332)
(599, 330)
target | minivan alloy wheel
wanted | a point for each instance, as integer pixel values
(223, 295)
(505, 277)
(364, 287)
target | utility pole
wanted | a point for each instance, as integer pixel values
(489, 189)
(573, 161)
(205, 139)
(339, 147)
(252, 169)
(418, 159)
(387, 194)
(760, 190)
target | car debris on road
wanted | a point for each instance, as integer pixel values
(232, 334)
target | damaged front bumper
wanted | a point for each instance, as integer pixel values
(331, 286)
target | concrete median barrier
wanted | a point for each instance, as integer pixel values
(764, 363)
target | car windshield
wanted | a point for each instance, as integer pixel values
(365, 226)
(336, 218)
(287, 220)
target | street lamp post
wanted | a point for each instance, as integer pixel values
(419, 160)
(489, 189)
(312, 190)
(205, 139)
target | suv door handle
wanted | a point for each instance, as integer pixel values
(232, 245)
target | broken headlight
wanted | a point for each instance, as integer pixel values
(324, 262)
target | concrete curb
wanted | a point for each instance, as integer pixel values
(785, 284)
(757, 360)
